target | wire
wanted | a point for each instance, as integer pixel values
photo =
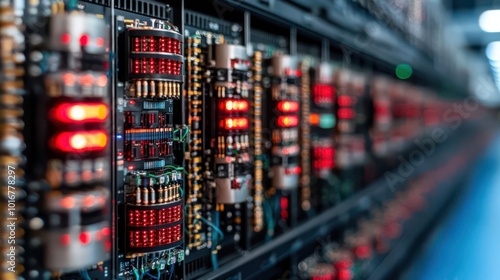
(85, 274)
(171, 271)
(154, 277)
(216, 228)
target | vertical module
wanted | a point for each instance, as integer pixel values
(282, 121)
(323, 122)
(68, 155)
(150, 143)
(218, 89)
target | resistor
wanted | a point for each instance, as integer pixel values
(153, 89)
(145, 88)
(160, 89)
(178, 91)
(138, 90)
(170, 90)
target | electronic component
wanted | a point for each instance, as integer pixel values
(232, 172)
(284, 121)
(256, 141)
(74, 186)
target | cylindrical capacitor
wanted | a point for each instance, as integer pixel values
(138, 199)
(152, 195)
(145, 195)
(160, 194)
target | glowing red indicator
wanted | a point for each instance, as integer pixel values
(65, 239)
(99, 42)
(233, 105)
(234, 123)
(288, 121)
(290, 72)
(293, 170)
(323, 93)
(68, 202)
(80, 112)
(344, 101)
(65, 38)
(288, 106)
(80, 141)
(85, 238)
(346, 113)
(84, 40)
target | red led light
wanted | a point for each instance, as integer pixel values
(105, 231)
(344, 101)
(362, 252)
(288, 121)
(85, 238)
(233, 105)
(65, 38)
(346, 113)
(80, 141)
(65, 239)
(99, 42)
(84, 40)
(234, 123)
(293, 170)
(288, 106)
(68, 202)
(80, 112)
(323, 93)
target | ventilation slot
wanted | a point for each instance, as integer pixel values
(154, 10)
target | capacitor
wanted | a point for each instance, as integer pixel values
(138, 199)
(145, 194)
(152, 195)
(160, 194)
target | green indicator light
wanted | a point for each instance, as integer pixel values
(404, 71)
(327, 121)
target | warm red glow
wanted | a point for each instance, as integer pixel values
(87, 80)
(65, 239)
(85, 238)
(293, 170)
(80, 141)
(288, 106)
(233, 105)
(234, 123)
(65, 38)
(69, 79)
(323, 93)
(80, 112)
(288, 121)
(68, 202)
(344, 101)
(346, 113)
(105, 231)
(102, 81)
(314, 119)
(99, 42)
(84, 40)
